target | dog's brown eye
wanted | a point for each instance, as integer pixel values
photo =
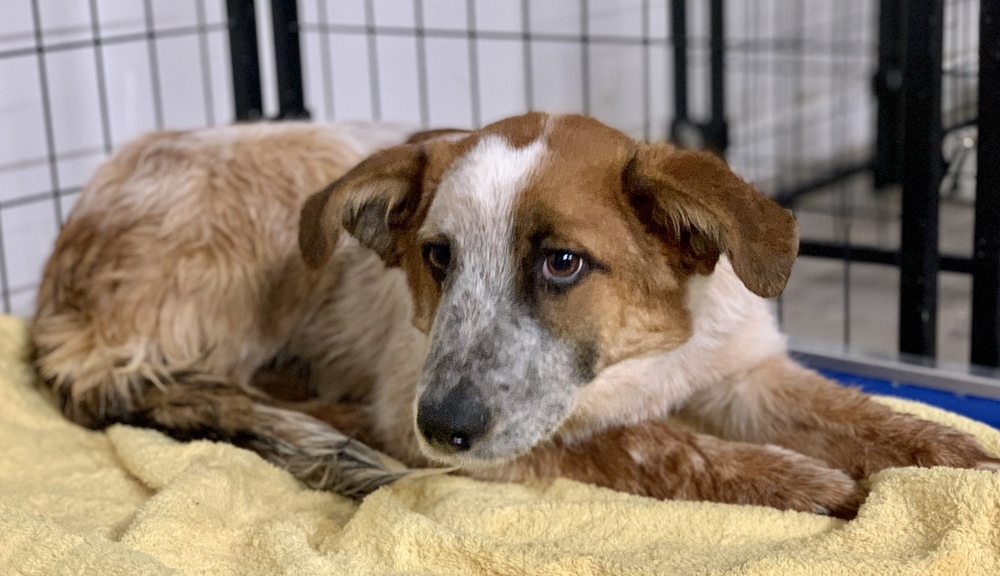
(562, 267)
(438, 256)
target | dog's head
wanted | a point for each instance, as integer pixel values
(540, 250)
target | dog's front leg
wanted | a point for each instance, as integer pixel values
(780, 402)
(662, 460)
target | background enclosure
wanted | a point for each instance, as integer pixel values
(805, 98)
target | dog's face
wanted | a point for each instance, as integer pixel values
(540, 250)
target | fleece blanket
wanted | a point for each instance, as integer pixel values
(132, 501)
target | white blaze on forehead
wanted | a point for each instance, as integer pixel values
(474, 204)
(479, 190)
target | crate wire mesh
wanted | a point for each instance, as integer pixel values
(79, 78)
(840, 203)
(434, 63)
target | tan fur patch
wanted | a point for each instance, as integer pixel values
(634, 303)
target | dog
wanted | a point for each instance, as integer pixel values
(543, 297)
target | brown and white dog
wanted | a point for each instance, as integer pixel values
(526, 301)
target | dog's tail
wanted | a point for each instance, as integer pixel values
(191, 405)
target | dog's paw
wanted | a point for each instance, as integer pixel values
(941, 445)
(791, 481)
(767, 475)
(914, 442)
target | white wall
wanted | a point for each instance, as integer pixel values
(339, 75)
(798, 83)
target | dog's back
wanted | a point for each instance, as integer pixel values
(178, 274)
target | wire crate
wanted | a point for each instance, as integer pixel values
(805, 98)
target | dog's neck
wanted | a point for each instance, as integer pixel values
(733, 330)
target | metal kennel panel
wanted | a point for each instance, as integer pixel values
(986, 228)
(863, 118)
(848, 112)
(79, 78)
(470, 62)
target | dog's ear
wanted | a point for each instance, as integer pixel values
(372, 202)
(695, 199)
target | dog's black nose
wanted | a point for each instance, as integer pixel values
(453, 424)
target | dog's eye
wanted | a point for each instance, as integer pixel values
(563, 267)
(438, 257)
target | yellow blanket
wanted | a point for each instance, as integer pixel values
(131, 501)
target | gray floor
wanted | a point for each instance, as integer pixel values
(814, 303)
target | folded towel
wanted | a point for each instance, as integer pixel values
(132, 501)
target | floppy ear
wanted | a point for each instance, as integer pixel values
(697, 200)
(372, 202)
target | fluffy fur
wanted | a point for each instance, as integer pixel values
(423, 316)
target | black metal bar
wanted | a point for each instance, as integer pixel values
(585, 54)
(718, 63)
(717, 129)
(867, 254)
(887, 85)
(788, 196)
(288, 59)
(872, 255)
(986, 251)
(678, 38)
(678, 35)
(921, 178)
(247, 97)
